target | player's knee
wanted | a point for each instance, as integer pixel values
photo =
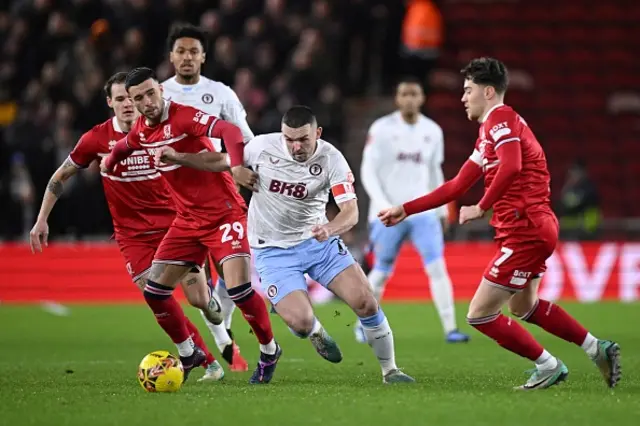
(302, 325)
(366, 305)
(520, 307)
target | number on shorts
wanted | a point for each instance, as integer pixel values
(226, 230)
(507, 252)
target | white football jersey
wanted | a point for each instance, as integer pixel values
(212, 97)
(292, 196)
(401, 161)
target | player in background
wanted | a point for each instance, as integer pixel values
(290, 234)
(516, 181)
(403, 158)
(187, 53)
(140, 205)
(211, 215)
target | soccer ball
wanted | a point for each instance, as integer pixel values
(160, 372)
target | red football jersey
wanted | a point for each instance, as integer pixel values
(201, 197)
(139, 199)
(530, 191)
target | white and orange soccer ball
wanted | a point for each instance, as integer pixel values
(161, 372)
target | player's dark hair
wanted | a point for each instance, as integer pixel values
(488, 72)
(117, 78)
(184, 30)
(299, 116)
(408, 79)
(139, 75)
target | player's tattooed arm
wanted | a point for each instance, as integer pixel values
(64, 172)
(40, 232)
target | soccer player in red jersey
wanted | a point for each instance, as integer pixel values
(140, 204)
(516, 181)
(211, 214)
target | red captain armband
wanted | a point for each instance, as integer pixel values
(342, 189)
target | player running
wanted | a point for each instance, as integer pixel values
(211, 216)
(290, 235)
(517, 188)
(140, 204)
(402, 147)
(186, 44)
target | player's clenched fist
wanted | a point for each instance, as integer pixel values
(39, 235)
(245, 177)
(320, 233)
(392, 216)
(164, 155)
(469, 213)
(103, 166)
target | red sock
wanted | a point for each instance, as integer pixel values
(253, 310)
(555, 320)
(167, 310)
(197, 339)
(509, 334)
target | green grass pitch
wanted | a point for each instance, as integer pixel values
(81, 370)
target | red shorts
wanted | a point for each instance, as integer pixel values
(138, 252)
(522, 256)
(225, 239)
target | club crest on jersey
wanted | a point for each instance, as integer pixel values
(315, 169)
(272, 291)
(207, 98)
(141, 136)
(167, 131)
(112, 143)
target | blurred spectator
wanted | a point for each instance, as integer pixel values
(274, 53)
(580, 204)
(422, 35)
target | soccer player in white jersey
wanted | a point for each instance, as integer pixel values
(186, 44)
(290, 234)
(403, 158)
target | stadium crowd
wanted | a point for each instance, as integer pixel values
(57, 55)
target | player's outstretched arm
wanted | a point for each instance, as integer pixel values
(40, 232)
(447, 192)
(346, 219)
(206, 161)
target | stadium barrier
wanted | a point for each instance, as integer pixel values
(95, 273)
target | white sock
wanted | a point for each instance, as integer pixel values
(546, 361)
(226, 305)
(317, 326)
(269, 348)
(380, 338)
(185, 348)
(377, 280)
(442, 294)
(590, 345)
(219, 333)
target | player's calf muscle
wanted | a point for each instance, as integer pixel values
(195, 289)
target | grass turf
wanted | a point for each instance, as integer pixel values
(81, 369)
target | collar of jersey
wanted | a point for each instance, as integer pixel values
(495, 107)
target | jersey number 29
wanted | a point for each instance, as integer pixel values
(226, 231)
